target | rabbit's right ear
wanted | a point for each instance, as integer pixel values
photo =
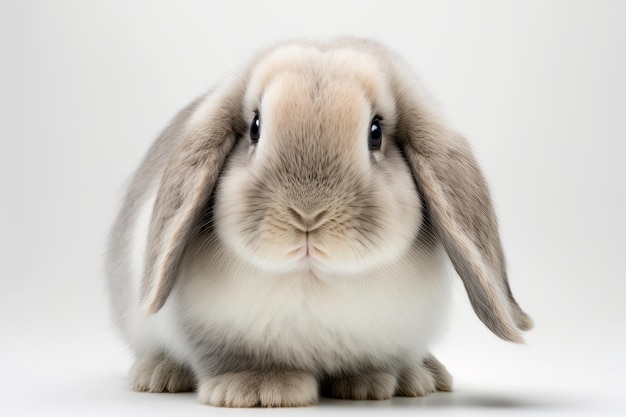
(205, 139)
(459, 206)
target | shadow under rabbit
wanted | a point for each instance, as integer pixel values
(464, 399)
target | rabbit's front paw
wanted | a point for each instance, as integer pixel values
(259, 389)
(157, 373)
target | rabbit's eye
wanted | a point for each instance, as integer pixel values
(376, 134)
(255, 129)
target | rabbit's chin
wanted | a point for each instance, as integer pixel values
(311, 266)
(316, 263)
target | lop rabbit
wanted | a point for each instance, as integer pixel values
(290, 233)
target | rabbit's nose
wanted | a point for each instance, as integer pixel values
(307, 220)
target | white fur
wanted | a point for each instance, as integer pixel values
(300, 314)
(149, 333)
(140, 235)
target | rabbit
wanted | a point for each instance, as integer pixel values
(295, 232)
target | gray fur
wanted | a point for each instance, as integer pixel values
(443, 379)
(158, 373)
(184, 191)
(461, 211)
(118, 249)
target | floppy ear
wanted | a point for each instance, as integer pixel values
(204, 140)
(459, 205)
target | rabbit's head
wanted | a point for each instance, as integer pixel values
(318, 180)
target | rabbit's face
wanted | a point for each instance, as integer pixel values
(318, 182)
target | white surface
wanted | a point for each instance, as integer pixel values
(539, 88)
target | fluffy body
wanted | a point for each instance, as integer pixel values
(307, 261)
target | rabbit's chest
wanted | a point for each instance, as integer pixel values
(305, 316)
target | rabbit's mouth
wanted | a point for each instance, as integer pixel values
(308, 256)
(307, 249)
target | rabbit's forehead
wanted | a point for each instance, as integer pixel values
(310, 74)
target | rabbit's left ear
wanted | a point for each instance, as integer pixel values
(203, 142)
(459, 207)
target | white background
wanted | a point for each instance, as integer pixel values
(538, 87)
